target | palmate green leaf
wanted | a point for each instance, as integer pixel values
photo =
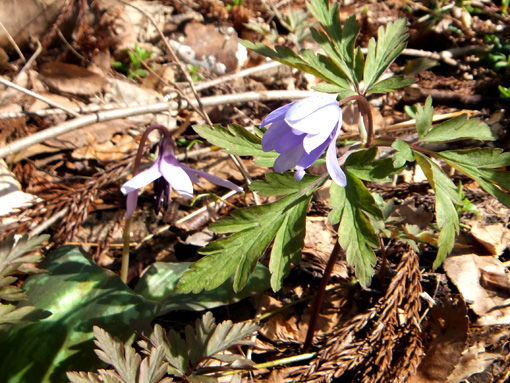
(423, 116)
(338, 42)
(356, 234)
(254, 229)
(403, 155)
(446, 212)
(391, 40)
(364, 165)
(390, 84)
(307, 61)
(459, 128)
(237, 140)
(482, 166)
(79, 294)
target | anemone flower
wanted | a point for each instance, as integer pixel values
(301, 131)
(167, 173)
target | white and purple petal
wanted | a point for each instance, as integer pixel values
(142, 179)
(131, 203)
(305, 107)
(177, 177)
(288, 159)
(335, 171)
(274, 134)
(212, 178)
(277, 114)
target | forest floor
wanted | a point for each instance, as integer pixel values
(68, 185)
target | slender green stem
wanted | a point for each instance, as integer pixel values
(124, 266)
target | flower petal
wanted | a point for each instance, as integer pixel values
(212, 178)
(303, 108)
(274, 134)
(288, 141)
(299, 173)
(141, 179)
(177, 177)
(131, 203)
(322, 120)
(288, 159)
(277, 114)
(334, 169)
(308, 159)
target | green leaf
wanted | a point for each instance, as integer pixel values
(159, 281)
(332, 88)
(356, 234)
(253, 229)
(403, 155)
(446, 212)
(79, 294)
(363, 165)
(237, 140)
(277, 184)
(390, 84)
(391, 40)
(482, 166)
(423, 116)
(459, 128)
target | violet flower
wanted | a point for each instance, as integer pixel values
(301, 131)
(167, 173)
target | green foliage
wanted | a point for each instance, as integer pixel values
(498, 58)
(128, 366)
(254, 229)
(503, 91)
(206, 340)
(159, 281)
(236, 140)
(134, 69)
(446, 200)
(344, 67)
(352, 206)
(170, 354)
(15, 260)
(364, 165)
(78, 294)
(194, 73)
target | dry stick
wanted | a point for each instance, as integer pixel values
(109, 115)
(235, 158)
(13, 43)
(37, 96)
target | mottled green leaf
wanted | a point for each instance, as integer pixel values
(459, 128)
(79, 294)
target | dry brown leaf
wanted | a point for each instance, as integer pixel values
(473, 361)
(415, 215)
(448, 326)
(495, 238)
(60, 100)
(465, 271)
(117, 148)
(70, 78)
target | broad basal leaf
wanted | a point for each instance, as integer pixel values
(159, 281)
(459, 128)
(253, 229)
(446, 199)
(237, 140)
(390, 84)
(356, 234)
(391, 40)
(484, 165)
(79, 294)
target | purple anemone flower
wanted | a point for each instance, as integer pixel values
(167, 173)
(301, 131)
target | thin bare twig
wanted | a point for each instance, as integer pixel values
(37, 96)
(13, 43)
(109, 115)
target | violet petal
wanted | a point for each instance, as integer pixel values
(141, 179)
(277, 114)
(288, 159)
(214, 179)
(131, 203)
(273, 135)
(177, 177)
(303, 108)
(322, 120)
(334, 169)
(288, 141)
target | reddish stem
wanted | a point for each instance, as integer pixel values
(319, 297)
(366, 112)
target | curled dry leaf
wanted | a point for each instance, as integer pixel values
(495, 238)
(475, 277)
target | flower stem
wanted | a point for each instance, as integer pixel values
(366, 113)
(126, 236)
(319, 297)
(124, 266)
